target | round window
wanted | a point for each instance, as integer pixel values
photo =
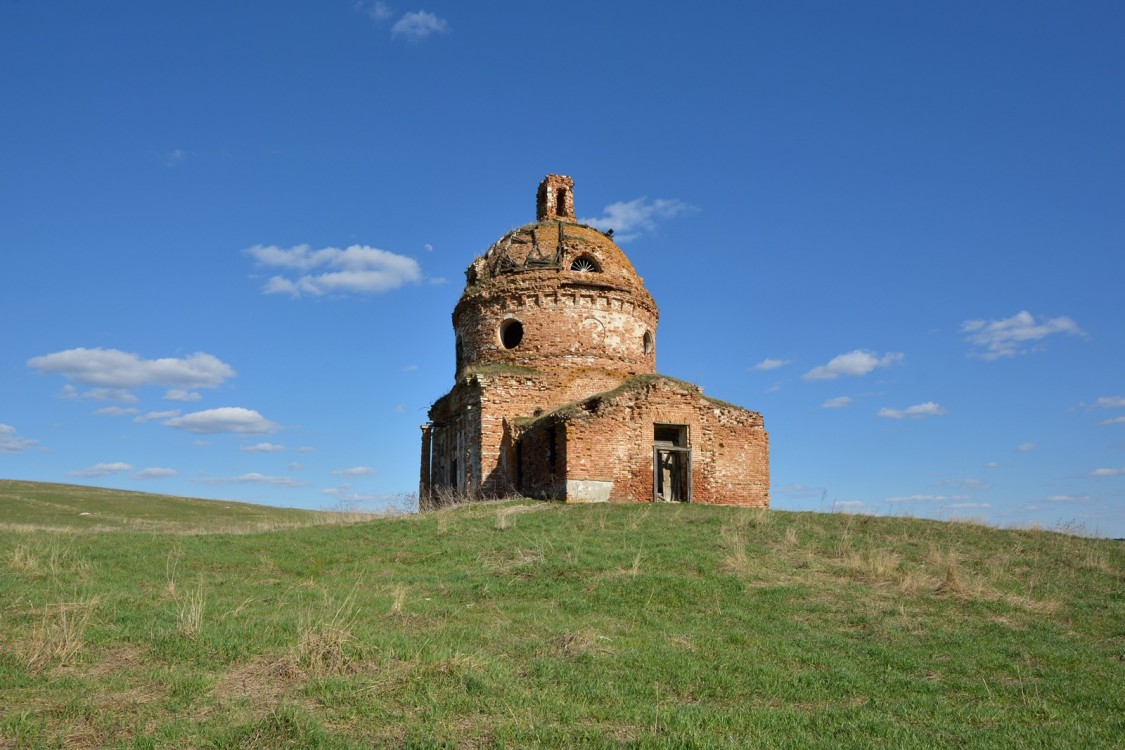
(511, 333)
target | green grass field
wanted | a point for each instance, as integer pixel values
(531, 624)
(68, 507)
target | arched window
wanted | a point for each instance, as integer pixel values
(585, 264)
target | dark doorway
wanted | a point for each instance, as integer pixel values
(671, 464)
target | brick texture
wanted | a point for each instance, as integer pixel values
(556, 391)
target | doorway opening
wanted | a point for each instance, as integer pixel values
(671, 464)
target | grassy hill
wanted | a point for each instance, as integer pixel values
(62, 507)
(525, 624)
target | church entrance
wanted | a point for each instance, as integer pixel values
(671, 464)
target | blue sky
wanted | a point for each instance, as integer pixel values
(232, 234)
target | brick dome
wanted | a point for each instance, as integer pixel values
(555, 294)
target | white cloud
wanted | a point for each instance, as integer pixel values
(10, 442)
(1110, 402)
(379, 12)
(963, 506)
(414, 27)
(1069, 499)
(772, 364)
(399, 408)
(179, 394)
(148, 416)
(1115, 420)
(255, 478)
(115, 411)
(263, 448)
(854, 363)
(306, 449)
(1026, 447)
(346, 496)
(356, 471)
(1015, 335)
(155, 472)
(992, 465)
(102, 470)
(969, 484)
(110, 371)
(630, 219)
(428, 247)
(99, 394)
(356, 269)
(172, 158)
(928, 409)
(225, 419)
(927, 498)
(837, 403)
(1108, 473)
(801, 491)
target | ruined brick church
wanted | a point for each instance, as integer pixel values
(557, 394)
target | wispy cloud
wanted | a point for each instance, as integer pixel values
(1026, 447)
(630, 219)
(414, 27)
(255, 478)
(1108, 473)
(356, 471)
(377, 11)
(11, 442)
(801, 491)
(263, 448)
(928, 498)
(1108, 402)
(111, 372)
(179, 394)
(772, 364)
(225, 419)
(853, 364)
(99, 394)
(149, 416)
(102, 470)
(115, 411)
(1018, 334)
(155, 472)
(172, 158)
(969, 484)
(358, 269)
(928, 409)
(837, 403)
(1069, 499)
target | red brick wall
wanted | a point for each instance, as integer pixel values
(614, 442)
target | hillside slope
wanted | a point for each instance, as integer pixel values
(78, 507)
(549, 625)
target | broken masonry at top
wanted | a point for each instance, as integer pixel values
(555, 199)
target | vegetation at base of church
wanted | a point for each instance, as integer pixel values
(532, 624)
